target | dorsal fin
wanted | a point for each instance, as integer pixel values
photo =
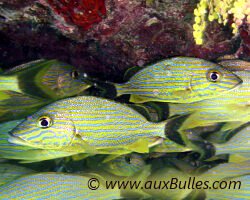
(25, 66)
(130, 72)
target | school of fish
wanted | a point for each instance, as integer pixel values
(180, 118)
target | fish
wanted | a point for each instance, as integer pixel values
(44, 78)
(234, 64)
(24, 154)
(163, 176)
(26, 88)
(125, 165)
(238, 143)
(171, 147)
(15, 105)
(94, 125)
(241, 190)
(179, 80)
(235, 174)
(10, 172)
(181, 184)
(231, 107)
(225, 170)
(58, 186)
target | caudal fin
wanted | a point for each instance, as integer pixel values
(172, 127)
(101, 88)
(238, 144)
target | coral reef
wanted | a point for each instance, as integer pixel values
(131, 33)
(81, 13)
(76, 14)
(220, 10)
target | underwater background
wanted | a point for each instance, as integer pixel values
(57, 49)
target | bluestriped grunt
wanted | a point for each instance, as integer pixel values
(24, 153)
(58, 186)
(179, 80)
(238, 144)
(125, 165)
(10, 172)
(231, 107)
(100, 125)
(30, 86)
(43, 78)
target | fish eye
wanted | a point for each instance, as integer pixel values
(214, 76)
(44, 122)
(127, 159)
(75, 74)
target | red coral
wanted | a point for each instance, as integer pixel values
(82, 13)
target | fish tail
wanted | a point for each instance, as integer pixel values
(237, 141)
(121, 89)
(173, 125)
(105, 89)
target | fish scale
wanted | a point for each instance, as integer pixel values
(26, 88)
(56, 186)
(99, 123)
(232, 106)
(24, 153)
(179, 80)
(239, 144)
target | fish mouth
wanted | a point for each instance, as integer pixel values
(18, 141)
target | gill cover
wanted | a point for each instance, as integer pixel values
(45, 131)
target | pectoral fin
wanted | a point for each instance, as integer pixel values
(140, 146)
(235, 158)
(111, 157)
(181, 94)
(81, 156)
(138, 99)
(168, 146)
(131, 72)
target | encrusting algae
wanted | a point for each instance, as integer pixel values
(210, 10)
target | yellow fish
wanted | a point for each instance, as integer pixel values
(30, 86)
(179, 80)
(24, 153)
(9, 172)
(58, 186)
(92, 125)
(231, 107)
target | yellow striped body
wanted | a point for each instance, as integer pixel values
(57, 186)
(26, 88)
(43, 78)
(89, 122)
(234, 174)
(238, 144)
(232, 106)
(178, 80)
(9, 83)
(9, 172)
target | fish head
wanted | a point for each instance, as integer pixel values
(61, 80)
(214, 80)
(43, 130)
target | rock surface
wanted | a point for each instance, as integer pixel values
(119, 34)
